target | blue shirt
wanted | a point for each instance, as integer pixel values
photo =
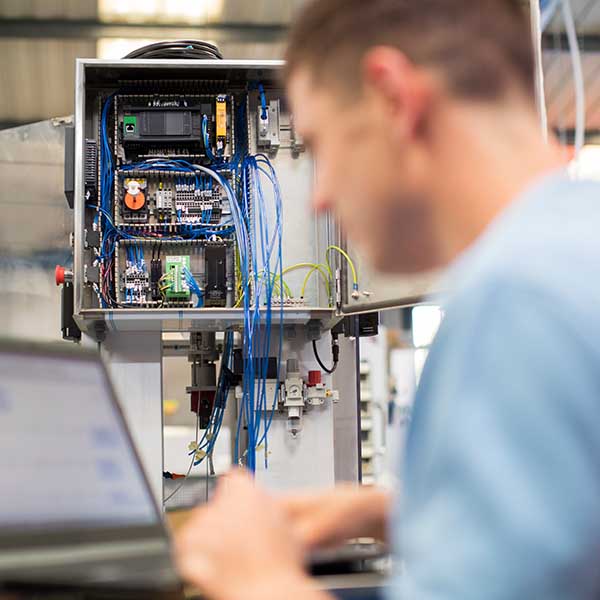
(501, 494)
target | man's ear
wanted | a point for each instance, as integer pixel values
(403, 89)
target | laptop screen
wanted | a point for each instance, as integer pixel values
(65, 456)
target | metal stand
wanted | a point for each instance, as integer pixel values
(311, 458)
(135, 364)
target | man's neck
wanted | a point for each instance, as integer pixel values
(493, 155)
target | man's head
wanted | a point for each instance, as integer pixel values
(371, 83)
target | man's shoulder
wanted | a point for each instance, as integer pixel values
(544, 247)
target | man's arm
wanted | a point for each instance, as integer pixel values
(239, 547)
(330, 518)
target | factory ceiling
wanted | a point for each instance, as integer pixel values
(40, 39)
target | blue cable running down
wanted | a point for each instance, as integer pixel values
(206, 445)
(259, 261)
(253, 194)
(194, 287)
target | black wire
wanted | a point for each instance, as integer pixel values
(335, 363)
(189, 49)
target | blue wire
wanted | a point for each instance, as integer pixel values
(193, 285)
(260, 252)
(264, 248)
(263, 101)
(220, 402)
(548, 10)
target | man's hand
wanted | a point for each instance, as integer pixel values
(239, 547)
(328, 519)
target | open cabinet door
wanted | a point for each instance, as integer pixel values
(378, 291)
(34, 228)
(372, 291)
(36, 221)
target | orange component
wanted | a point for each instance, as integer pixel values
(221, 118)
(135, 202)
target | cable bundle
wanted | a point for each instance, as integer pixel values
(136, 266)
(187, 49)
(259, 257)
(203, 448)
(261, 265)
(206, 445)
(194, 287)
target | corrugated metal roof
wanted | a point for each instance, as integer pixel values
(266, 12)
(36, 75)
(49, 9)
(37, 78)
(560, 96)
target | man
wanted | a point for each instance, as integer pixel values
(422, 122)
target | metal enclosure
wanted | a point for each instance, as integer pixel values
(305, 237)
(34, 230)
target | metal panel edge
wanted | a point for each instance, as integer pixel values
(190, 64)
(79, 209)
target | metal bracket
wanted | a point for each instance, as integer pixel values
(269, 129)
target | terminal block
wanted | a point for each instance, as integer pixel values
(175, 278)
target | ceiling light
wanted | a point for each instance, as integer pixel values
(192, 12)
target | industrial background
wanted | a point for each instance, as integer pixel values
(40, 39)
(39, 42)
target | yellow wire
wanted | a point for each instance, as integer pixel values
(238, 276)
(286, 287)
(304, 265)
(276, 289)
(306, 280)
(345, 255)
(313, 267)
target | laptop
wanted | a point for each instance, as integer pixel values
(76, 510)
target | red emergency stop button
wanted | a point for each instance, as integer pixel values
(59, 275)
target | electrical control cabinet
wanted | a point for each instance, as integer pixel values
(162, 187)
(160, 172)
